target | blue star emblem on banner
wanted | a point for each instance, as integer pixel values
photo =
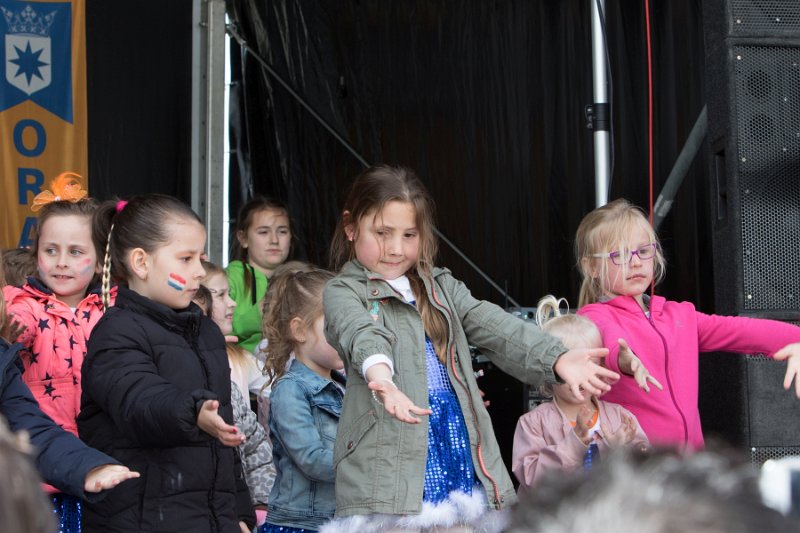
(37, 56)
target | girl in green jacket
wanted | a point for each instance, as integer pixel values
(415, 448)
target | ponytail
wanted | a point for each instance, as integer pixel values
(574, 331)
(120, 226)
(102, 229)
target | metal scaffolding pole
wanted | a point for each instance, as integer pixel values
(601, 109)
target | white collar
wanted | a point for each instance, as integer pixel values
(403, 286)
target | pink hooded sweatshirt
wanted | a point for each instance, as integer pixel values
(668, 342)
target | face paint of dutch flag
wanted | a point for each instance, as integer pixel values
(176, 282)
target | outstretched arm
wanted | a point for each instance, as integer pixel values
(396, 403)
(209, 421)
(580, 369)
(107, 477)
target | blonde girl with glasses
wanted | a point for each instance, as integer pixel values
(619, 257)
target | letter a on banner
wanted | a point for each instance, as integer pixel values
(42, 105)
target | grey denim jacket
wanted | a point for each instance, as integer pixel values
(380, 462)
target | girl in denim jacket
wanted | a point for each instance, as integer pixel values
(305, 403)
(415, 449)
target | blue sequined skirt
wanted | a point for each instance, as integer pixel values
(269, 528)
(68, 512)
(449, 465)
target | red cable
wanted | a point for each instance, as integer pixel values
(649, 104)
(649, 117)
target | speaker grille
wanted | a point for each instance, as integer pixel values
(761, 454)
(754, 16)
(767, 81)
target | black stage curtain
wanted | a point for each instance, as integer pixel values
(485, 100)
(139, 61)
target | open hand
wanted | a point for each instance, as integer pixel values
(396, 403)
(107, 477)
(580, 369)
(209, 421)
(630, 364)
(791, 354)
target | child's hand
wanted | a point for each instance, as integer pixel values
(231, 338)
(209, 421)
(12, 329)
(623, 436)
(580, 369)
(791, 353)
(244, 527)
(583, 423)
(107, 477)
(630, 364)
(395, 402)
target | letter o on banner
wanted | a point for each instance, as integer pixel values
(41, 138)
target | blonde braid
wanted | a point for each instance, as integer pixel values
(106, 281)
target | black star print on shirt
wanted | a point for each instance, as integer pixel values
(64, 321)
(49, 389)
(69, 361)
(86, 315)
(43, 324)
(72, 342)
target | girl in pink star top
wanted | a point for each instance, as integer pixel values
(58, 307)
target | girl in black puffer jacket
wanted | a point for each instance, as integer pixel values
(156, 382)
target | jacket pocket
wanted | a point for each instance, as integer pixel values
(326, 416)
(348, 439)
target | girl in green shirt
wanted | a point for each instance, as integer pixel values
(264, 238)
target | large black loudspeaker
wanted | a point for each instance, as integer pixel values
(752, 54)
(742, 402)
(753, 99)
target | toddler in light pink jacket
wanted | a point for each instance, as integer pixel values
(567, 434)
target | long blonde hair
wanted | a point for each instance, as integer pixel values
(236, 354)
(371, 191)
(295, 294)
(605, 229)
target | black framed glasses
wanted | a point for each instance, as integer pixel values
(623, 257)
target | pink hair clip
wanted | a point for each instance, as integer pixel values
(121, 205)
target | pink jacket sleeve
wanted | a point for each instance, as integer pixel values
(744, 335)
(542, 443)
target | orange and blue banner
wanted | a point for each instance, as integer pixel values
(43, 124)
